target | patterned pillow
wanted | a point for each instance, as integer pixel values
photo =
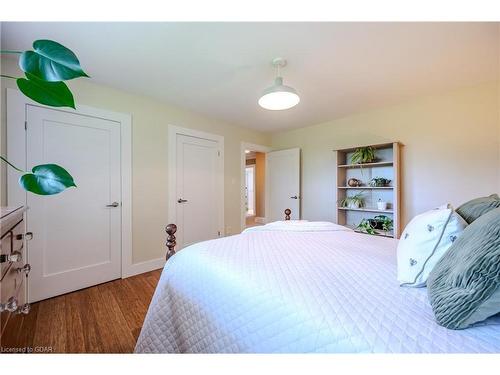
(464, 287)
(471, 210)
(424, 241)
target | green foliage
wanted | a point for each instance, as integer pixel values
(363, 155)
(370, 226)
(53, 94)
(51, 62)
(365, 226)
(45, 68)
(386, 223)
(379, 182)
(47, 179)
(354, 200)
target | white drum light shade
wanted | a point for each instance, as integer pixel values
(279, 97)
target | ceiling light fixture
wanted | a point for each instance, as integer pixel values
(278, 96)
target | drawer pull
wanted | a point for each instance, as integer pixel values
(28, 236)
(11, 305)
(13, 257)
(26, 269)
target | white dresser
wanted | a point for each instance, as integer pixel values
(13, 266)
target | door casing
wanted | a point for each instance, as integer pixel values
(16, 153)
(253, 147)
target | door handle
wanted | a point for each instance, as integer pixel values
(114, 204)
(294, 197)
(180, 200)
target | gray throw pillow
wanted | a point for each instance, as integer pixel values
(473, 209)
(464, 286)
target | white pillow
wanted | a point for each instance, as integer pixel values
(424, 241)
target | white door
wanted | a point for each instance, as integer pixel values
(76, 235)
(283, 181)
(199, 179)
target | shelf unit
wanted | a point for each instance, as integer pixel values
(366, 209)
(366, 165)
(387, 165)
(366, 187)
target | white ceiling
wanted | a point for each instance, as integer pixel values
(220, 69)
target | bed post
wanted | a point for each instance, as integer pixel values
(288, 212)
(170, 229)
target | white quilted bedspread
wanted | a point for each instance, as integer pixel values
(295, 291)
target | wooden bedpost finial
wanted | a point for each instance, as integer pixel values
(170, 229)
(288, 212)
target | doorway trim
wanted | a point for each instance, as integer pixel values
(252, 147)
(173, 131)
(16, 152)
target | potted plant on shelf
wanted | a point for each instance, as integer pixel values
(382, 222)
(363, 155)
(353, 201)
(366, 227)
(379, 222)
(379, 182)
(45, 69)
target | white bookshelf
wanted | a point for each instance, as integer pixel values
(386, 165)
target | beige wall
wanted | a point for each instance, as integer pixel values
(149, 147)
(451, 149)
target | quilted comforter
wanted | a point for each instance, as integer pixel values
(297, 288)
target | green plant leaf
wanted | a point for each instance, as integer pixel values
(51, 61)
(47, 179)
(54, 94)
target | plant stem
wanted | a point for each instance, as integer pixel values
(6, 76)
(10, 51)
(12, 165)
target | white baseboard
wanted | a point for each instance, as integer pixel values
(260, 220)
(142, 267)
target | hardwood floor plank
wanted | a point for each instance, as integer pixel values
(106, 318)
(50, 335)
(112, 326)
(130, 303)
(74, 324)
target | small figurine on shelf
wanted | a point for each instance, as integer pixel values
(353, 182)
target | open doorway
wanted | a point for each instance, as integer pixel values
(253, 185)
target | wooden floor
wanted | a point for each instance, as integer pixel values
(106, 318)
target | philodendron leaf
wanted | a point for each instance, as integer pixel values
(47, 179)
(51, 61)
(54, 94)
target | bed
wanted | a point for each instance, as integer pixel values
(297, 287)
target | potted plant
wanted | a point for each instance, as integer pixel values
(379, 222)
(353, 201)
(382, 222)
(366, 227)
(379, 182)
(363, 155)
